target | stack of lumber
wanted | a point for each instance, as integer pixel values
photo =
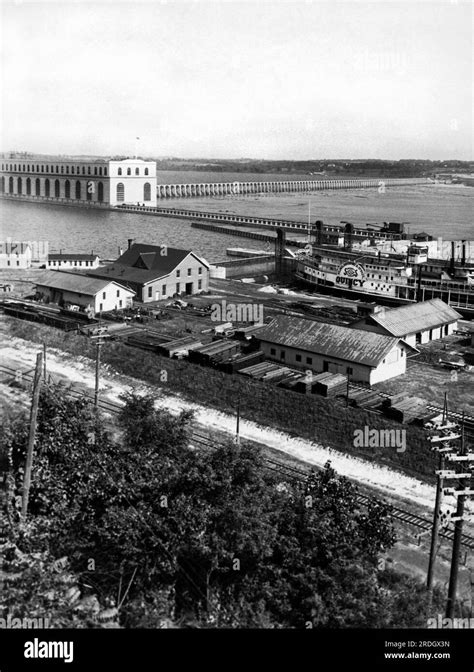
(179, 345)
(51, 318)
(147, 340)
(238, 362)
(394, 399)
(120, 332)
(306, 383)
(329, 384)
(246, 333)
(278, 374)
(406, 409)
(295, 381)
(213, 353)
(365, 398)
(259, 371)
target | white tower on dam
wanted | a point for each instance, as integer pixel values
(132, 181)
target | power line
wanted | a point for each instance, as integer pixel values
(446, 435)
(462, 494)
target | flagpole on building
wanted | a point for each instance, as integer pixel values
(136, 147)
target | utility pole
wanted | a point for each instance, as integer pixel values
(347, 390)
(444, 434)
(435, 528)
(97, 373)
(462, 494)
(31, 436)
(44, 362)
(101, 338)
(237, 427)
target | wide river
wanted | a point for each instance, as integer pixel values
(445, 211)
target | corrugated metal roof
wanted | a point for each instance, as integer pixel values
(71, 282)
(416, 317)
(353, 345)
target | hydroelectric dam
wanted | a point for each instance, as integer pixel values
(277, 187)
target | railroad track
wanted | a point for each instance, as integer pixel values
(400, 515)
(468, 419)
(293, 473)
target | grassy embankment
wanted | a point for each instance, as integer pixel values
(327, 422)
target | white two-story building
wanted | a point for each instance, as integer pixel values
(156, 272)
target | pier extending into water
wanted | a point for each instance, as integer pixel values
(242, 233)
(254, 222)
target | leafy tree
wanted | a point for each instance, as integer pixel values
(171, 536)
(37, 586)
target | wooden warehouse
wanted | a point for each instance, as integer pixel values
(81, 293)
(416, 323)
(364, 356)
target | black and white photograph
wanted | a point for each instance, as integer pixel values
(236, 334)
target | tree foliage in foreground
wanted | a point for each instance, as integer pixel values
(170, 534)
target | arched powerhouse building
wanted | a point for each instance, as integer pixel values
(130, 181)
(133, 181)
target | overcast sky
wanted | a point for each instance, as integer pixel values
(261, 79)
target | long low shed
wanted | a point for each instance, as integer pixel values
(321, 347)
(416, 323)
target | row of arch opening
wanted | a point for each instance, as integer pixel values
(78, 190)
(32, 187)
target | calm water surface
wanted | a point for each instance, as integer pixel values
(445, 211)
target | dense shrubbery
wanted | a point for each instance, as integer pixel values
(158, 533)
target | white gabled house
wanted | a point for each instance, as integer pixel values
(91, 295)
(156, 272)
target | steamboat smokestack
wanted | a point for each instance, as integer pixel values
(348, 233)
(319, 232)
(279, 252)
(451, 262)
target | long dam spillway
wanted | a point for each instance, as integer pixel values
(275, 187)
